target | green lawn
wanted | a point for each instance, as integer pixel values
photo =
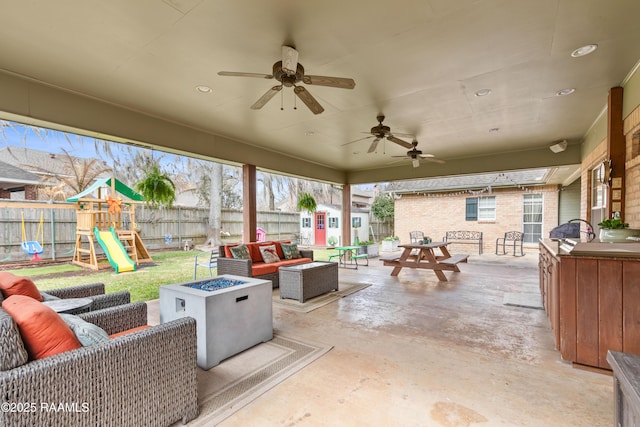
(143, 284)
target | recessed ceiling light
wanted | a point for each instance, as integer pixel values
(584, 50)
(203, 89)
(309, 133)
(564, 92)
(483, 92)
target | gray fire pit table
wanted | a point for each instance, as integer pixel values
(233, 313)
(305, 281)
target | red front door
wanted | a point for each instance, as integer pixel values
(321, 232)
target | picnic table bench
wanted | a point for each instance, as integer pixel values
(465, 237)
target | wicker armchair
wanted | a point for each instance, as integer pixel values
(145, 378)
(94, 291)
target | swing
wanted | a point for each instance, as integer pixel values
(33, 247)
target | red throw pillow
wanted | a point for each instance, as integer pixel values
(44, 333)
(129, 331)
(10, 284)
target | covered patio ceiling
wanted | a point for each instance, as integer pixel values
(128, 71)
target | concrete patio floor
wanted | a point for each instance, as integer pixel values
(412, 351)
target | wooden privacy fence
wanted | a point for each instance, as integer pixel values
(159, 228)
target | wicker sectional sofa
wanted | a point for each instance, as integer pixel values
(144, 378)
(93, 291)
(256, 267)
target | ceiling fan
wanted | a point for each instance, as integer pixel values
(289, 72)
(415, 155)
(380, 132)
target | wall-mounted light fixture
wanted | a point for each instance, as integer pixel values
(559, 147)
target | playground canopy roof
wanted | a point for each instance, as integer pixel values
(119, 187)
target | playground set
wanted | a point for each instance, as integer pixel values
(33, 247)
(104, 219)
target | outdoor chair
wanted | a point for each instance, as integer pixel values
(515, 237)
(416, 236)
(207, 259)
(142, 378)
(93, 291)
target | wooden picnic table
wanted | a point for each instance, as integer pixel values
(422, 255)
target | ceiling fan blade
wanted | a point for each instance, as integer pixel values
(308, 100)
(357, 140)
(416, 162)
(238, 74)
(432, 159)
(289, 60)
(266, 97)
(373, 146)
(339, 82)
(400, 142)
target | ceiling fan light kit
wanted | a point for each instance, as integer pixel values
(288, 71)
(415, 155)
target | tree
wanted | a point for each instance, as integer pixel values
(215, 205)
(77, 175)
(156, 187)
(382, 207)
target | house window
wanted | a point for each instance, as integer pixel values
(480, 208)
(472, 209)
(333, 222)
(598, 189)
(486, 208)
(532, 217)
(356, 222)
(306, 222)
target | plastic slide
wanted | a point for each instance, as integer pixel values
(116, 253)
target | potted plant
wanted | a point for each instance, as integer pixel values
(306, 202)
(616, 231)
(332, 241)
(390, 244)
(371, 248)
(395, 242)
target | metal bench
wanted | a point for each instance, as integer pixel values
(465, 237)
(416, 236)
(515, 237)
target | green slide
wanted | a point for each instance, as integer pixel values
(116, 253)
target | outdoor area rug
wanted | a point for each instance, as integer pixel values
(344, 289)
(239, 380)
(523, 299)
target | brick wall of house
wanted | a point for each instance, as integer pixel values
(5, 194)
(30, 192)
(590, 161)
(436, 215)
(632, 169)
(632, 172)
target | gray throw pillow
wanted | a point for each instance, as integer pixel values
(87, 333)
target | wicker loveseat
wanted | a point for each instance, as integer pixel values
(256, 267)
(144, 378)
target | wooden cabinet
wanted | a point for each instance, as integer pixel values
(593, 304)
(549, 290)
